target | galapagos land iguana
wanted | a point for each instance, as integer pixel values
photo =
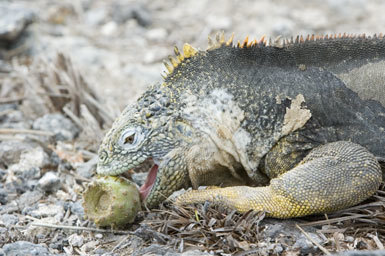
(291, 127)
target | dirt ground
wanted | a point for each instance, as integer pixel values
(66, 75)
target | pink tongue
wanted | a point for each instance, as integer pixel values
(145, 189)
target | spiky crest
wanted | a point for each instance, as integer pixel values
(280, 42)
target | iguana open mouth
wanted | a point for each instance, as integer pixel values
(149, 166)
(145, 189)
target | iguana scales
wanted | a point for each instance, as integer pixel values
(290, 127)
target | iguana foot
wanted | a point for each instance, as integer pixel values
(331, 177)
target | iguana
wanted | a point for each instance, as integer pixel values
(290, 127)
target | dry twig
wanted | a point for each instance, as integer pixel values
(313, 241)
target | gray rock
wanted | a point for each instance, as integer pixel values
(276, 248)
(30, 163)
(62, 127)
(21, 248)
(14, 18)
(14, 116)
(11, 117)
(96, 16)
(11, 150)
(124, 12)
(273, 230)
(30, 173)
(3, 196)
(86, 169)
(8, 106)
(77, 208)
(28, 209)
(9, 219)
(50, 182)
(29, 198)
(349, 239)
(45, 210)
(76, 240)
(306, 246)
(89, 246)
(277, 229)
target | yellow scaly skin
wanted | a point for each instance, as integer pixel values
(307, 188)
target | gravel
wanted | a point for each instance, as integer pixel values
(21, 248)
(62, 127)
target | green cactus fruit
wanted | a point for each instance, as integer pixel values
(111, 201)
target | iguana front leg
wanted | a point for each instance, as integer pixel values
(331, 177)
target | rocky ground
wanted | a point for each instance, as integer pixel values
(67, 68)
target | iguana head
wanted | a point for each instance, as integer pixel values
(148, 135)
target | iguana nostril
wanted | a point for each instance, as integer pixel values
(103, 155)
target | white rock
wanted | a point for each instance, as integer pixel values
(109, 28)
(91, 245)
(50, 182)
(49, 210)
(76, 240)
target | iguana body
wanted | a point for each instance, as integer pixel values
(293, 128)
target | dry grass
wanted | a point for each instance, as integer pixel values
(216, 229)
(207, 228)
(57, 86)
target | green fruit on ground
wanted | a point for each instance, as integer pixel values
(111, 201)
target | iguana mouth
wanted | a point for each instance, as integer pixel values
(149, 166)
(145, 189)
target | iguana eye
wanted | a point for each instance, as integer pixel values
(131, 137)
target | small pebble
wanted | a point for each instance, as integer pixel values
(50, 182)
(8, 219)
(76, 240)
(25, 248)
(62, 127)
